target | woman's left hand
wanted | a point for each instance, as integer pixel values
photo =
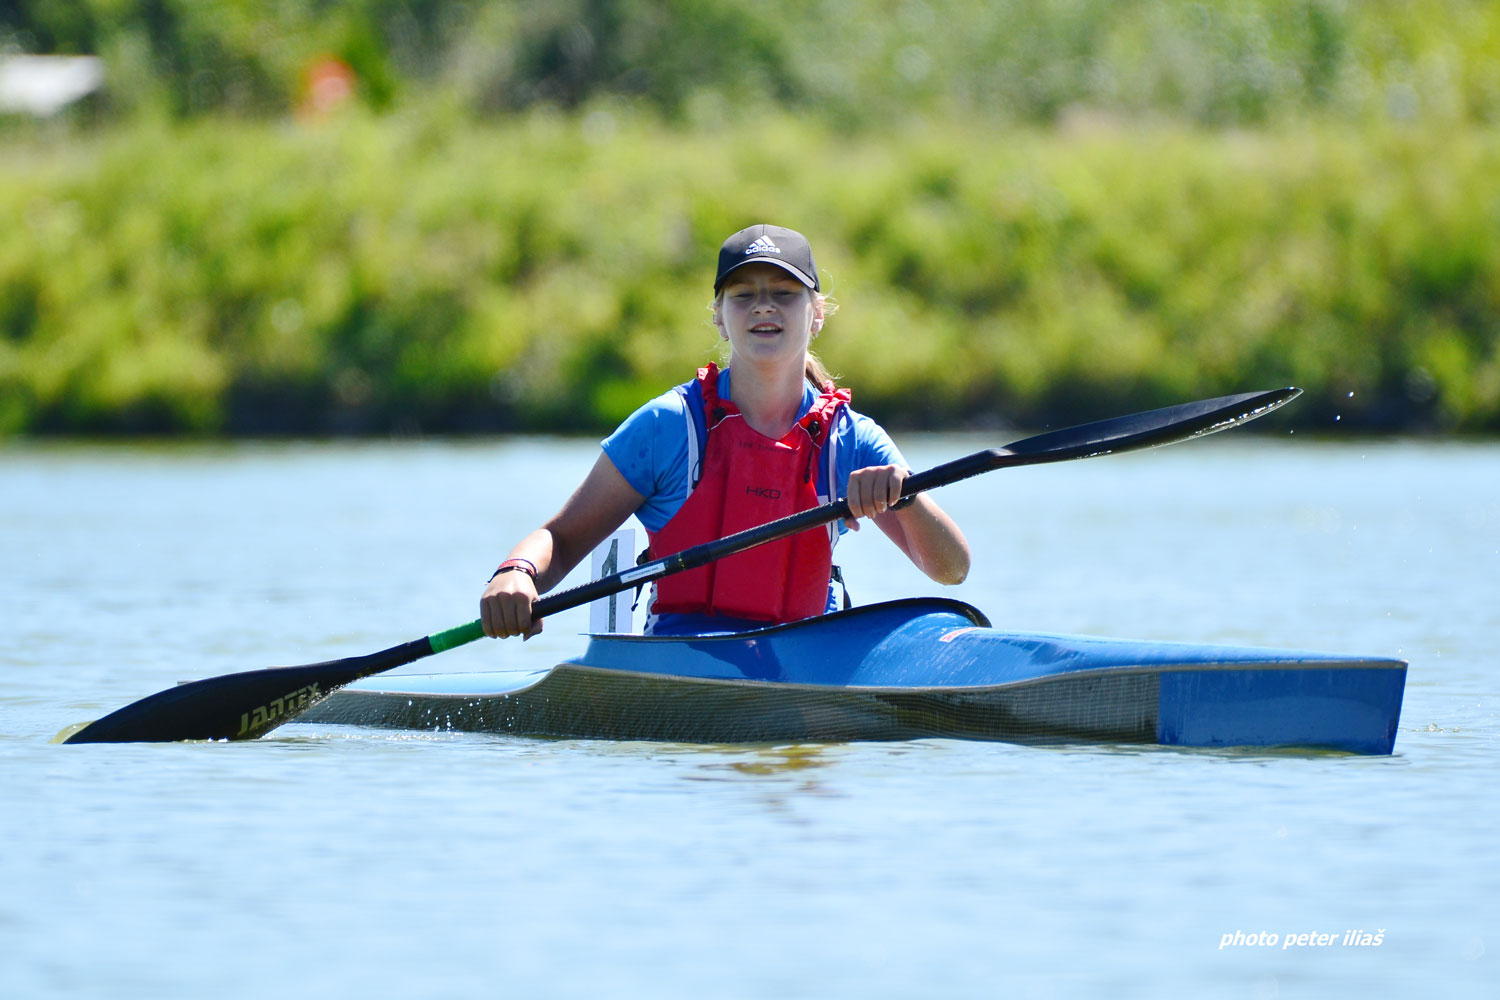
(874, 490)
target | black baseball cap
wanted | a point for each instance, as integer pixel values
(786, 248)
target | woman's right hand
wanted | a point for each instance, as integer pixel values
(596, 508)
(505, 607)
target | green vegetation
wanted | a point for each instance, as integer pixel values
(363, 274)
(1029, 212)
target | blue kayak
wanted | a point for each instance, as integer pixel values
(905, 670)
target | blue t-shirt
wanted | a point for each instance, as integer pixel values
(651, 451)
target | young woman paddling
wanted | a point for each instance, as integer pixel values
(766, 437)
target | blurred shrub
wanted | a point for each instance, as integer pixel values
(365, 274)
(851, 62)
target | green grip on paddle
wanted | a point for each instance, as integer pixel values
(446, 640)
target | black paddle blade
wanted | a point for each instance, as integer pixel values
(1153, 427)
(1132, 432)
(239, 706)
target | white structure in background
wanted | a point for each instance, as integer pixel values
(44, 85)
(613, 613)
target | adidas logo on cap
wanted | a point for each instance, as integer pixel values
(762, 245)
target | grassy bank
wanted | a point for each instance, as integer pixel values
(367, 274)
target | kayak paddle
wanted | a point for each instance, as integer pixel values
(246, 705)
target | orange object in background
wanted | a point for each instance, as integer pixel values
(327, 84)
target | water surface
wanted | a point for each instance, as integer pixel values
(339, 862)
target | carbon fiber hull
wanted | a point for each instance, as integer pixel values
(906, 670)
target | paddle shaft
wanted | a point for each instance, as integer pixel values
(249, 704)
(708, 552)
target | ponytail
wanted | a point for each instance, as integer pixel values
(816, 373)
(813, 367)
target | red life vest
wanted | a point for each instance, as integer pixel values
(749, 479)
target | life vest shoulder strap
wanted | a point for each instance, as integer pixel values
(818, 421)
(714, 408)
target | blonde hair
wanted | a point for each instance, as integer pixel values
(816, 373)
(812, 368)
